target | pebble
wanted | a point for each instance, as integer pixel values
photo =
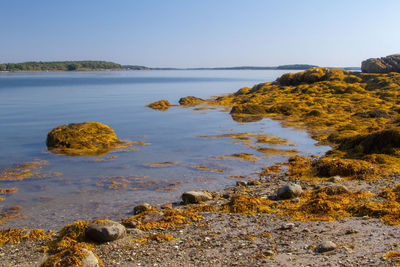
(287, 226)
(326, 246)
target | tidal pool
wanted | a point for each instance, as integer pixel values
(174, 155)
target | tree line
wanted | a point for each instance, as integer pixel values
(60, 66)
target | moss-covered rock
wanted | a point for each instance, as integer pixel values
(190, 101)
(161, 105)
(83, 139)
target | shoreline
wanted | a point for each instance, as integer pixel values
(348, 204)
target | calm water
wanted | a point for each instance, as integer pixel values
(31, 104)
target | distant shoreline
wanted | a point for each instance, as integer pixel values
(73, 66)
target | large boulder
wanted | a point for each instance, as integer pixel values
(84, 139)
(381, 65)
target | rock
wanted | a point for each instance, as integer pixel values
(166, 206)
(142, 208)
(326, 246)
(87, 139)
(162, 105)
(241, 183)
(90, 260)
(193, 197)
(269, 253)
(287, 226)
(254, 182)
(381, 65)
(190, 101)
(289, 191)
(77, 255)
(336, 179)
(105, 230)
(332, 190)
(134, 231)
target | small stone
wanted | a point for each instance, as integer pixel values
(105, 230)
(336, 179)
(142, 208)
(289, 191)
(254, 182)
(166, 206)
(269, 253)
(326, 246)
(194, 197)
(351, 231)
(90, 260)
(287, 226)
(241, 183)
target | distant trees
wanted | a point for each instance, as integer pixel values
(60, 65)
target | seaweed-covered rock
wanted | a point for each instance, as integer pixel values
(87, 138)
(289, 191)
(383, 142)
(142, 208)
(190, 101)
(161, 105)
(105, 230)
(381, 65)
(74, 256)
(195, 197)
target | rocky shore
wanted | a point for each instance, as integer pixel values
(342, 209)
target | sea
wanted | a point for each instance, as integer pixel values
(173, 154)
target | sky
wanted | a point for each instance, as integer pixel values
(206, 33)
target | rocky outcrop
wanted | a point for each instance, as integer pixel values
(161, 105)
(381, 65)
(84, 139)
(190, 101)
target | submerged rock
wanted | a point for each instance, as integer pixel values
(190, 101)
(84, 139)
(381, 65)
(192, 197)
(289, 191)
(105, 231)
(162, 105)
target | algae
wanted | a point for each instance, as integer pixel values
(83, 139)
(161, 105)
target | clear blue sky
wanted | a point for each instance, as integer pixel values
(204, 33)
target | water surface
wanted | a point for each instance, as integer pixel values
(31, 104)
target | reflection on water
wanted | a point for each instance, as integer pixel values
(175, 158)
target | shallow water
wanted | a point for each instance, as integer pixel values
(31, 104)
